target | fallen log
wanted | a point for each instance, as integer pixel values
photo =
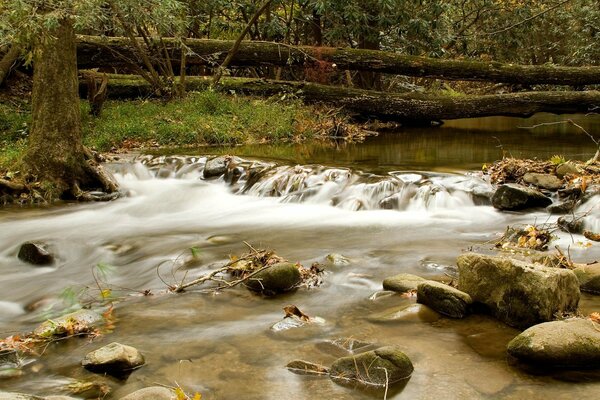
(408, 108)
(95, 51)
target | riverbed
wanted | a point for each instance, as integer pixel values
(406, 201)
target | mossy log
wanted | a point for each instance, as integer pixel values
(411, 107)
(94, 51)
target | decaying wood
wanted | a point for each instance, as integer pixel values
(94, 51)
(412, 108)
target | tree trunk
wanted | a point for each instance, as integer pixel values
(8, 61)
(55, 155)
(94, 52)
(408, 108)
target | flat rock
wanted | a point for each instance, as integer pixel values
(568, 168)
(60, 326)
(386, 365)
(589, 277)
(405, 313)
(512, 196)
(151, 393)
(402, 282)
(572, 343)
(35, 254)
(278, 278)
(114, 358)
(544, 181)
(444, 299)
(301, 367)
(519, 293)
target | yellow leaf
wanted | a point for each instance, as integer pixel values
(197, 396)
(180, 394)
(105, 293)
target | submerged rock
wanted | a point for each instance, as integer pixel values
(572, 343)
(380, 367)
(402, 282)
(405, 313)
(518, 293)
(114, 359)
(278, 278)
(589, 277)
(151, 393)
(444, 299)
(512, 196)
(344, 346)
(75, 322)
(301, 367)
(35, 254)
(337, 260)
(544, 181)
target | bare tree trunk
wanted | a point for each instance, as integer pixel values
(55, 155)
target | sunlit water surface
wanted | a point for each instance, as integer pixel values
(401, 202)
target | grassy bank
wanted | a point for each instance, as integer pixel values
(203, 118)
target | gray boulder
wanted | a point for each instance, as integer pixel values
(518, 293)
(572, 343)
(402, 282)
(35, 254)
(512, 196)
(62, 325)
(151, 393)
(544, 181)
(278, 278)
(385, 365)
(114, 359)
(444, 299)
(562, 207)
(216, 166)
(589, 277)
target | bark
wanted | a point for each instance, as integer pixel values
(8, 61)
(94, 52)
(408, 108)
(55, 155)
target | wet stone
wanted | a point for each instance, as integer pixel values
(571, 224)
(60, 326)
(402, 282)
(216, 166)
(301, 367)
(114, 359)
(151, 393)
(444, 299)
(278, 278)
(517, 197)
(544, 181)
(409, 312)
(589, 277)
(35, 254)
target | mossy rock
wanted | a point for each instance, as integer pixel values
(572, 343)
(62, 325)
(589, 277)
(386, 365)
(444, 299)
(402, 282)
(278, 278)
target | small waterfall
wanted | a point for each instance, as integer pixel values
(316, 184)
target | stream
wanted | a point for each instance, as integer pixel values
(408, 201)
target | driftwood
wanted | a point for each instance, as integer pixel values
(94, 51)
(412, 107)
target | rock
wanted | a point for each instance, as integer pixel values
(444, 299)
(278, 278)
(301, 367)
(402, 282)
(295, 322)
(518, 293)
(114, 359)
(380, 367)
(60, 326)
(10, 373)
(216, 166)
(544, 181)
(35, 253)
(151, 393)
(337, 260)
(562, 207)
(567, 168)
(571, 224)
(589, 277)
(341, 347)
(512, 196)
(572, 343)
(22, 396)
(405, 313)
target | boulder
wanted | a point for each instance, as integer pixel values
(568, 168)
(444, 299)
(301, 367)
(216, 166)
(80, 319)
(114, 359)
(572, 343)
(571, 223)
(379, 367)
(562, 207)
(35, 254)
(544, 181)
(519, 293)
(512, 196)
(278, 278)
(402, 282)
(589, 277)
(151, 393)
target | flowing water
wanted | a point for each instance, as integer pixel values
(401, 202)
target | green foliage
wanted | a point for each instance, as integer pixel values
(557, 159)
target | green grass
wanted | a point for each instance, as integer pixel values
(202, 118)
